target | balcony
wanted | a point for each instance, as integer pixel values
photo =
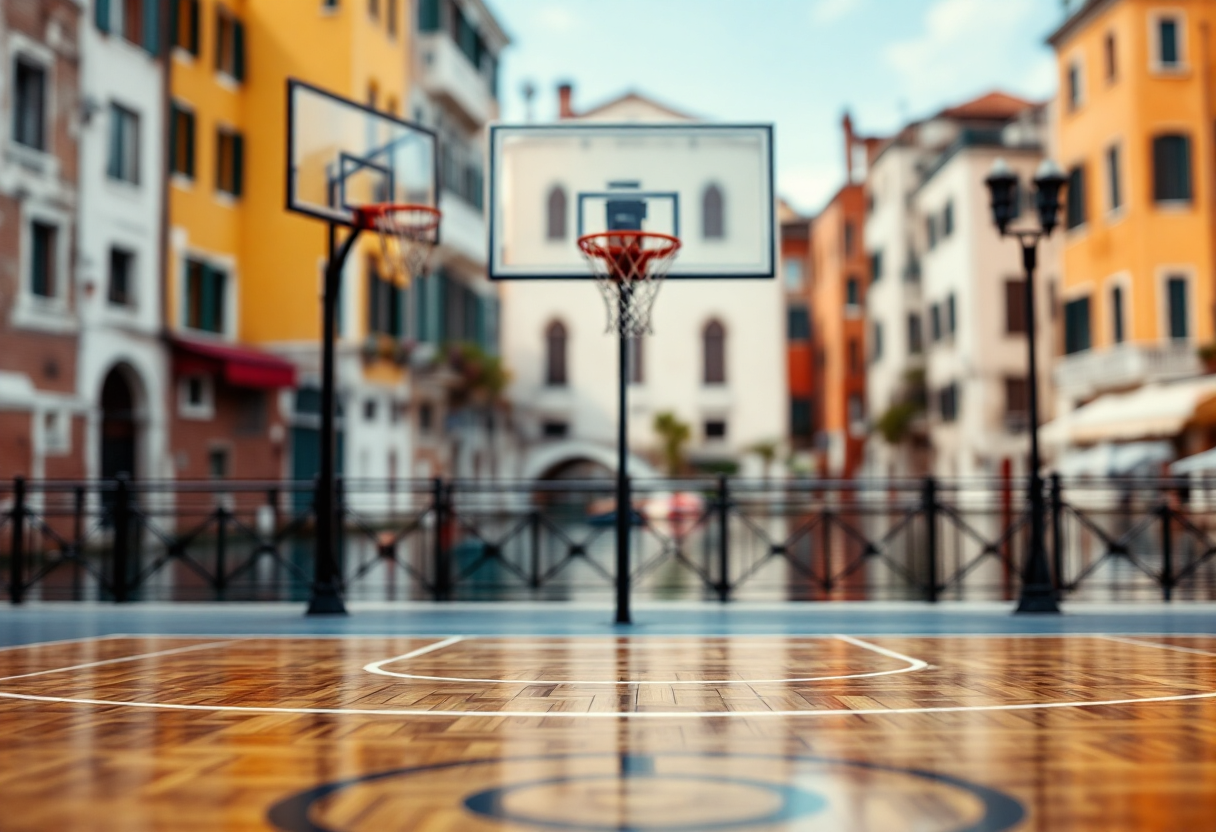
(1085, 374)
(448, 75)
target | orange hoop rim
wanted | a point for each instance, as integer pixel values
(368, 214)
(587, 243)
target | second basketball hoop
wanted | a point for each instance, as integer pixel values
(629, 267)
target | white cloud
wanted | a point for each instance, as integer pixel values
(808, 187)
(829, 11)
(969, 44)
(556, 18)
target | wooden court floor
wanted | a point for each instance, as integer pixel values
(610, 734)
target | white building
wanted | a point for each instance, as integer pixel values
(948, 295)
(456, 94)
(122, 171)
(564, 364)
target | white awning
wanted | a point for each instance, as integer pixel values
(1199, 463)
(1154, 411)
(1107, 459)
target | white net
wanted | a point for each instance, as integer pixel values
(629, 267)
(408, 234)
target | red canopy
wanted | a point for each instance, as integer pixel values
(238, 366)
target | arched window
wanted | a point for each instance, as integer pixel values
(713, 353)
(556, 214)
(713, 225)
(555, 355)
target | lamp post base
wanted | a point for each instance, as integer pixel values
(1037, 601)
(326, 600)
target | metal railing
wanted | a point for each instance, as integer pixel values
(717, 538)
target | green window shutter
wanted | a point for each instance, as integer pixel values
(206, 317)
(190, 129)
(152, 26)
(114, 161)
(174, 115)
(238, 164)
(195, 26)
(238, 50)
(1178, 308)
(102, 10)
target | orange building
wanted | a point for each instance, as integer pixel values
(800, 366)
(1135, 135)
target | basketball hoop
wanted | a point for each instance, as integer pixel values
(629, 266)
(408, 234)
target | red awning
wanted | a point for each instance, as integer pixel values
(238, 366)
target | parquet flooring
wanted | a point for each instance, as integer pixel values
(966, 734)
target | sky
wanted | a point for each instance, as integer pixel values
(799, 64)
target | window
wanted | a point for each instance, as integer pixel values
(1074, 212)
(57, 431)
(791, 267)
(715, 429)
(800, 417)
(1116, 314)
(857, 410)
(1172, 168)
(181, 141)
(1076, 326)
(875, 266)
(713, 353)
(1017, 404)
(1169, 52)
(1074, 85)
(636, 356)
(947, 402)
(373, 9)
(555, 355)
(426, 417)
(43, 267)
(385, 308)
(29, 105)
(876, 342)
(951, 317)
(797, 323)
(217, 463)
(852, 292)
(229, 45)
(915, 335)
(1178, 312)
(931, 231)
(123, 163)
(935, 322)
(850, 235)
(1114, 189)
(428, 15)
(252, 412)
(1112, 58)
(186, 25)
(122, 277)
(556, 213)
(390, 16)
(551, 429)
(1015, 307)
(854, 357)
(369, 410)
(948, 220)
(196, 397)
(713, 223)
(229, 161)
(126, 18)
(205, 297)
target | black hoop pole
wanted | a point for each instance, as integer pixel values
(624, 505)
(326, 598)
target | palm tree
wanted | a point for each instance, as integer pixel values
(673, 434)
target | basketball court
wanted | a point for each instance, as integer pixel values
(697, 718)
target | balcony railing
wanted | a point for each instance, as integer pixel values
(447, 73)
(1126, 365)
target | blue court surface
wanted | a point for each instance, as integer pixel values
(41, 622)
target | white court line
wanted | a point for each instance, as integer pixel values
(913, 665)
(120, 659)
(79, 640)
(1175, 647)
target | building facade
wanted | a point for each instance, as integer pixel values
(1135, 135)
(795, 266)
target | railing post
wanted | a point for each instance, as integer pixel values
(443, 574)
(78, 543)
(723, 539)
(534, 540)
(929, 505)
(121, 547)
(16, 592)
(1167, 548)
(221, 552)
(1057, 532)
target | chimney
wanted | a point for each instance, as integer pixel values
(565, 94)
(847, 123)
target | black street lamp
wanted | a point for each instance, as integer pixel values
(1038, 594)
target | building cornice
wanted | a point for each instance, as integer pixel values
(1078, 20)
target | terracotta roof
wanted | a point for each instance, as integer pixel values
(995, 106)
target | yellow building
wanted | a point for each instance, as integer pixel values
(1135, 135)
(242, 274)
